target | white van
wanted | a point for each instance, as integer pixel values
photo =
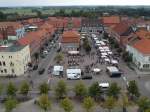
(104, 86)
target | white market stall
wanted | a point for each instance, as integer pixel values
(114, 62)
(96, 70)
(109, 52)
(73, 52)
(107, 60)
(104, 54)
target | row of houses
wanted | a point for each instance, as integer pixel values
(134, 36)
(15, 54)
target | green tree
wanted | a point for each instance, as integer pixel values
(95, 90)
(24, 88)
(88, 104)
(11, 89)
(44, 88)
(114, 90)
(143, 103)
(127, 57)
(133, 88)
(66, 104)
(147, 110)
(36, 55)
(110, 103)
(124, 102)
(44, 102)
(3, 16)
(10, 104)
(59, 57)
(86, 45)
(61, 89)
(80, 90)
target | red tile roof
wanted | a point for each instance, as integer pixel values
(70, 37)
(76, 22)
(111, 20)
(48, 27)
(143, 46)
(15, 25)
(121, 28)
(143, 34)
(32, 37)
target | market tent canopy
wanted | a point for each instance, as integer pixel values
(107, 60)
(109, 52)
(73, 52)
(101, 48)
(114, 61)
(104, 54)
(96, 70)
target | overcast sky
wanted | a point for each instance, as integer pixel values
(71, 2)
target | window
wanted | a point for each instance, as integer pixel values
(0, 63)
(11, 64)
(5, 70)
(2, 56)
(10, 56)
(1, 71)
(4, 63)
(146, 66)
(12, 70)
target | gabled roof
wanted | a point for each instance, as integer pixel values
(32, 37)
(122, 28)
(70, 37)
(143, 46)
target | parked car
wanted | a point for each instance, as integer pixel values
(87, 77)
(41, 71)
(45, 52)
(104, 86)
(35, 67)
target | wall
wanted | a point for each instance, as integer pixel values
(15, 60)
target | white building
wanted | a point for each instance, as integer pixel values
(140, 51)
(14, 60)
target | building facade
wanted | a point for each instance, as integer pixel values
(14, 60)
(140, 53)
(70, 41)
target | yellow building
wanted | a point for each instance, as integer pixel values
(14, 60)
